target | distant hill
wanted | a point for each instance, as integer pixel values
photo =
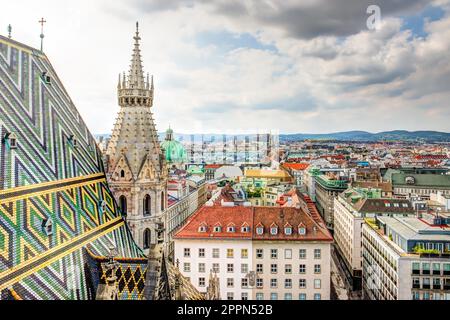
(396, 135)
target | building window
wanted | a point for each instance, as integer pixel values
(259, 253)
(202, 228)
(274, 230)
(273, 296)
(317, 268)
(288, 296)
(317, 283)
(230, 229)
(302, 231)
(216, 253)
(273, 283)
(426, 283)
(317, 253)
(273, 253)
(302, 283)
(244, 268)
(244, 295)
(201, 252)
(230, 268)
(216, 267)
(230, 296)
(230, 253)
(302, 254)
(436, 269)
(416, 283)
(288, 268)
(273, 268)
(425, 268)
(259, 283)
(317, 296)
(302, 296)
(244, 253)
(186, 267)
(147, 205)
(259, 296)
(201, 282)
(288, 231)
(230, 282)
(217, 229)
(244, 282)
(302, 269)
(288, 283)
(446, 269)
(123, 204)
(436, 283)
(259, 230)
(245, 229)
(147, 238)
(259, 268)
(201, 268)
(163, 201)
(288, 253)
(187, 252)
(416, 268)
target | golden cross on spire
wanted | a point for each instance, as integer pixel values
(42, 21)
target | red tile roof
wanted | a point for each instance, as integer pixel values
(213, 166)
(254, 216)
(296, 166)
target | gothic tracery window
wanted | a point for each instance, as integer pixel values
(123, 204)
(147, 238)
(147, 202)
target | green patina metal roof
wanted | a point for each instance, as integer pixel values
(174, 150)
(422, 180)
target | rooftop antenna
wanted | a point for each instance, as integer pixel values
(9, 30)
(42, 21)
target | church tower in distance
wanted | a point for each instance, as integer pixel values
(136, 167)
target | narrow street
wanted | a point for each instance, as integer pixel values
(341, 287)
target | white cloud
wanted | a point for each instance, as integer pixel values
(317, 82)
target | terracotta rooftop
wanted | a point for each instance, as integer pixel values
(296, 166)
(265, 217)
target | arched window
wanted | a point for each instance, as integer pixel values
(163, 201)
(122, 174)
(123, 204)
(147, 238)
(147, 202)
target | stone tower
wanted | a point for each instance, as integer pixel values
(136, 168)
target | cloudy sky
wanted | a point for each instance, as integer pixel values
(233, 66)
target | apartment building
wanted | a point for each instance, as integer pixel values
(406, 258)
(350, 209)
(263, 253)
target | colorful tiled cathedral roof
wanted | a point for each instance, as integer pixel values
(54, 198)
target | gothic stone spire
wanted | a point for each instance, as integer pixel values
(136, 73)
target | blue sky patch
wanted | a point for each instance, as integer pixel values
(416, 23)
(226, 41)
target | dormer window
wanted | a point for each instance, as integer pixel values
(259, 229)
(47, 227)
(10, 140)
(103, 206)
(274, 230)
(202, 228)
(231, 229)
(46, 78)
(217, 229)
(301, 230)
(288, 231)
(73, 142)
(245, 229)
